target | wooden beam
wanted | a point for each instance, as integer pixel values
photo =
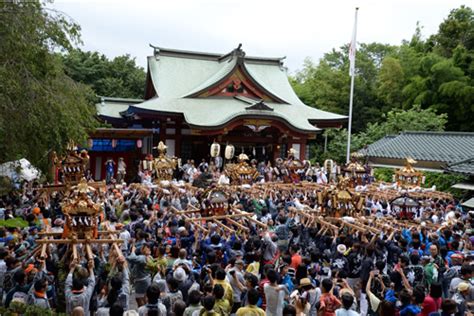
(206, 218)
(78, 241)
(224, 226)
(249, 216)
(230, 220)
(101, 232)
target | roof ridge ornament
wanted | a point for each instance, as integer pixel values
(156, 51)
(237, 53)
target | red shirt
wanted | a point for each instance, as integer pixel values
(430, 305)
(329, 303)
(261, 285)
(295, 261)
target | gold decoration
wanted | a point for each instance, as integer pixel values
(81, 213)
(354, 170)
(164, 165)
(73, 165)
(408, 176)
(242, 172)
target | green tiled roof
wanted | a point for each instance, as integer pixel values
(464, 166)
(178, 74)
(211, 112)
(446, 147)
(111, 107)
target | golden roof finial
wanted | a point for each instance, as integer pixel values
(243, 157)
(411, 161)
(161, 147)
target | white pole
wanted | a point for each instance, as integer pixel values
(352, 52)
(348, 153)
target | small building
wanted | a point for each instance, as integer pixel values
(433, 151)
(193, 99)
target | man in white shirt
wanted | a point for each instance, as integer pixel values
(347, 302)
(274, 294)
(237, 282)
(124, 235)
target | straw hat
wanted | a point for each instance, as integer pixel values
(305, 282)
(463, 286)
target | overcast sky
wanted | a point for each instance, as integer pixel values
(292, 28)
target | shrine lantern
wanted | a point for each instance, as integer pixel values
(229, 151)
(215, 150)
(139, 143)
(114, 143)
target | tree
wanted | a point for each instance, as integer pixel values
(436, 73)
(390, 82)
(119, 77)
(326, 85)
(456, 30)
(41, 107)
(396, 121)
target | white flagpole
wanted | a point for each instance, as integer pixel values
(352, 53)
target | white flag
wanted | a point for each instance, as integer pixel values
(353, 47)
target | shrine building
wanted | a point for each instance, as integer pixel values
(193, 99)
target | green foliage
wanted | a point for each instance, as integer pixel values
(119, 77)
(384, 174)
(456, 30)
(443, 181)
(6, 185)
(421, 85)
(396, 121)
(414, 119)
(41, 107)
(33, 310)
(14, 222)
(435, 74)
(326, 85)
(17, 308)
(390, 81)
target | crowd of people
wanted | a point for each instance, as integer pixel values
(168, 265)
(267, 172)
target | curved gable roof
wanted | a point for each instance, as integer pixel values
(180, 77)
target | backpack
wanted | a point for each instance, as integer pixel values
(20, 297)
(76, 300)
(8, 282)
(153, 307)
(171, 299)
(450, 273)
(38, 301)
(419, 275)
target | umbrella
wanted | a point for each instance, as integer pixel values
(404, 201)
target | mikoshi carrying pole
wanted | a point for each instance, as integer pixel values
(352, 56)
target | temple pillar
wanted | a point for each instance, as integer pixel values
(289, 145)
(163, 131)
(303, 150)
(177, 150)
